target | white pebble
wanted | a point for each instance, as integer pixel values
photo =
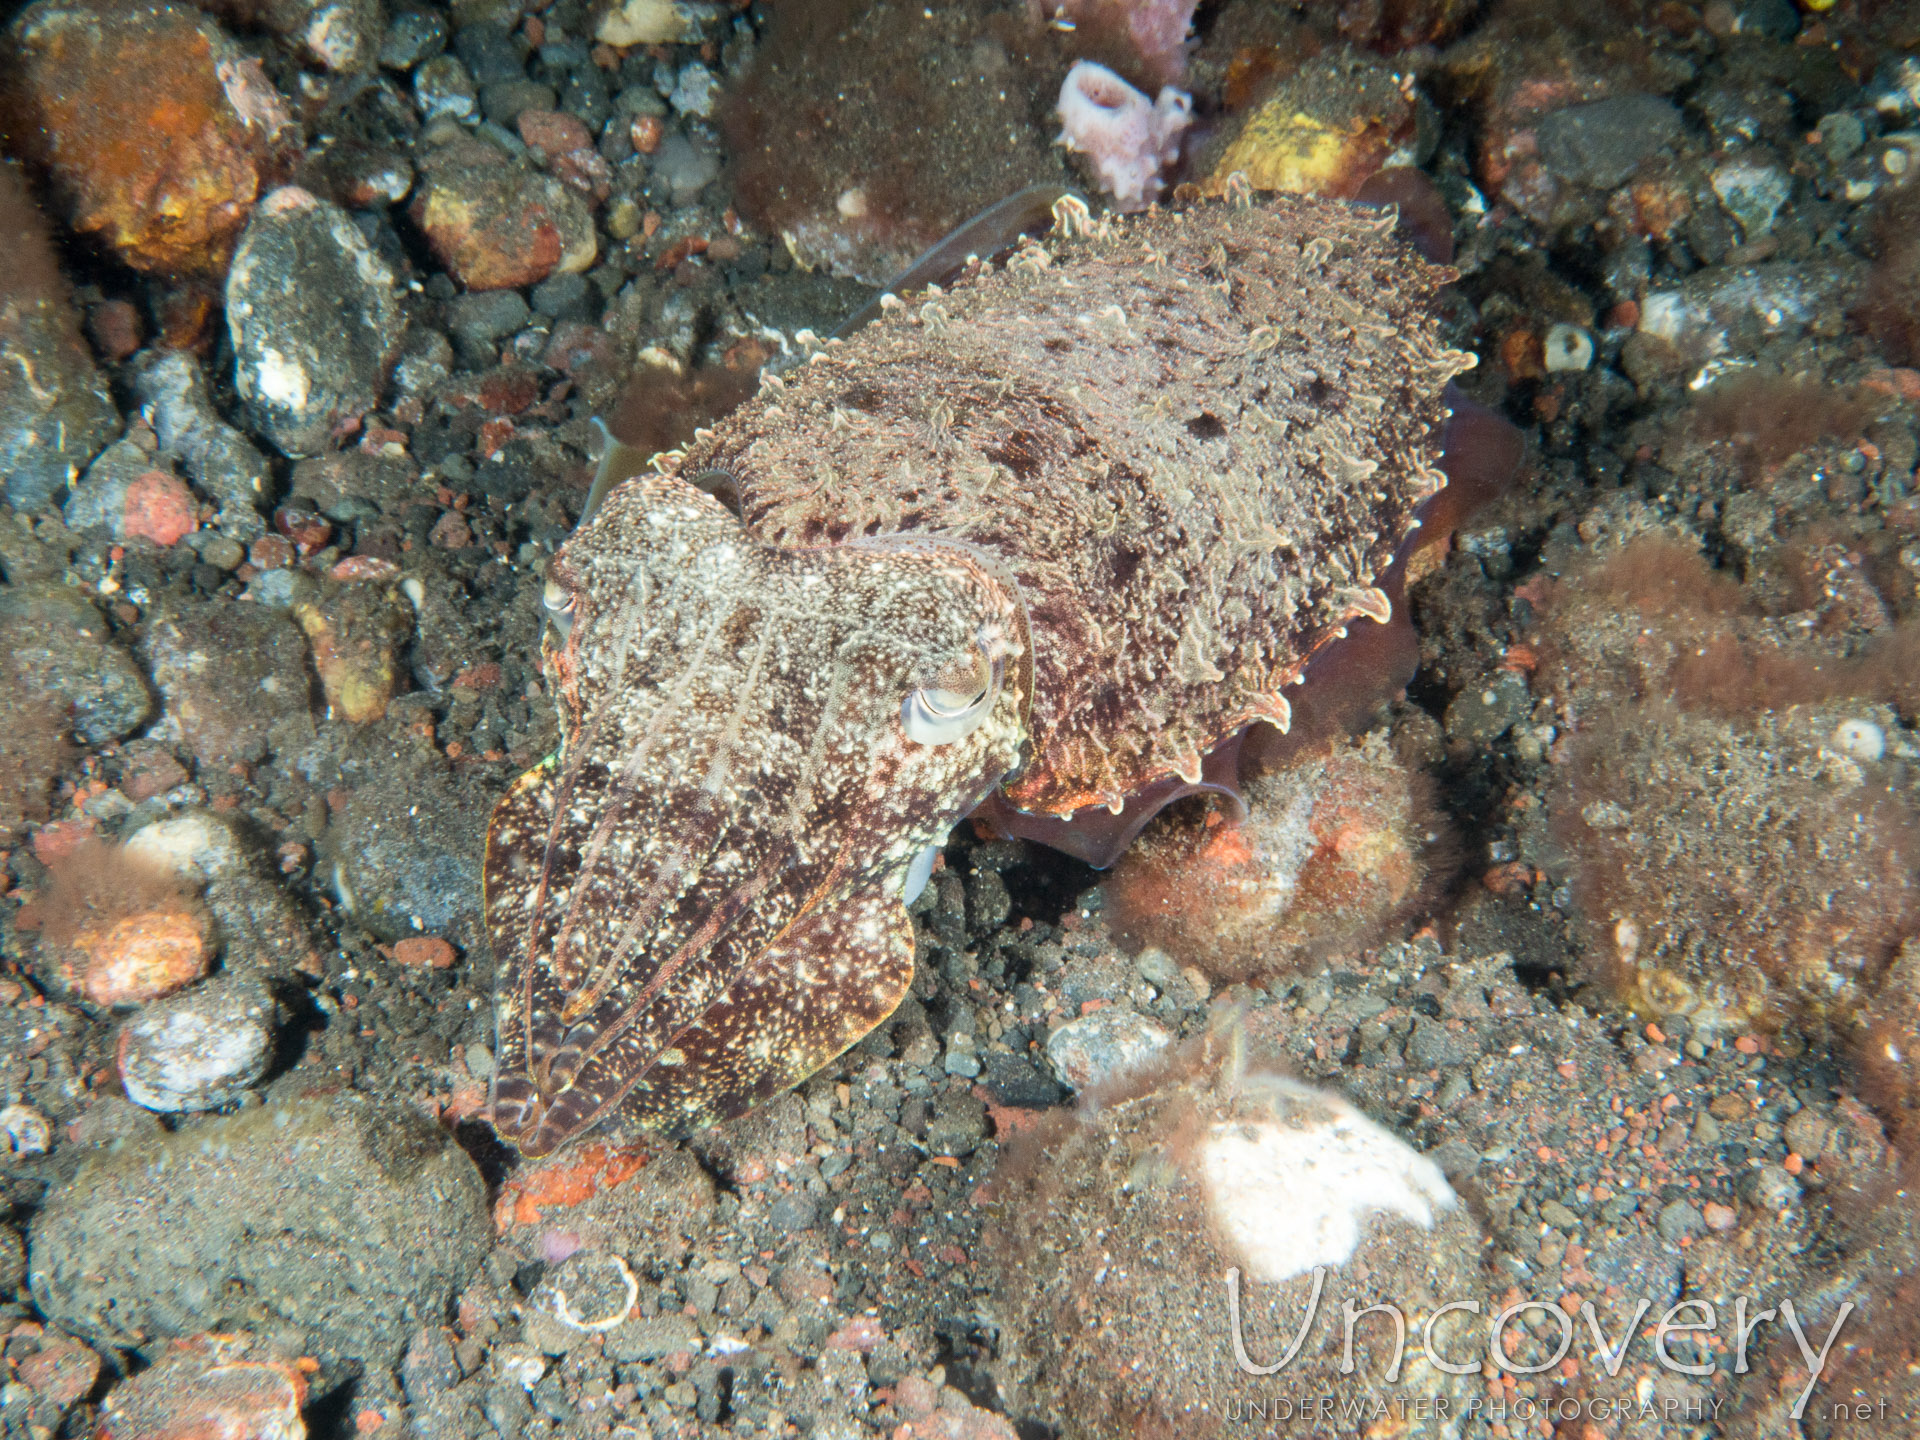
(1568, 347)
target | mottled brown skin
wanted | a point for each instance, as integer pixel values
(1149, 470)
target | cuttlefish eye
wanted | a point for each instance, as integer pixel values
(953, 704)
(559, 602)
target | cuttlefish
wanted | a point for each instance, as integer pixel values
(1049, 541)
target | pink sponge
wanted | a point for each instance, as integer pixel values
(1128, 138)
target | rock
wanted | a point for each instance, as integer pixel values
(1103, 1046)
(479, 322)
(105, 98)
(261, 927)
(413, 36)
(655, 22)
(1155, 1203)
(339, 35)
(153, 952)
(1599, 146)
(233, 679)
(1679, 1220)
(444, 90)
(222, 461)
(355, 632)
(55, 412)
(495, 224)
(1323, 130)
(314, 317)
(56, 1369)
(56, 645)
(198, 1050)
(1481, 714)
(128, 496)
(205, 1387)
(333, 1219)
(403, 853)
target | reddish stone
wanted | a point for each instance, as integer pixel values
(270, 552)
(363, 567)
(156, 131)
(61, 1370)
(150, 771)
(203, 1387)
(143, 956)
(159, 508)
(115, 328)
(427, 952)
(495, 225)
(450, 532)
(552, 132)
(508, 391)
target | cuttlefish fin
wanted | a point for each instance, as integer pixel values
(618, 461)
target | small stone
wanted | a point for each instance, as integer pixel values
(355, 632)
(424, 952)
(652, 22)
(503, 101)
(205, 1387)
(1806, 1132)
(221, 461)
(106, 99)
(1481, 714)
(233, 677)
(413, 36)
(564, 297)
(1721, 1218)
(1678, 1220)
(1770, 1187)
(1753, 192)
(1567, 348)
(342, 1218)
(55, 1367)
(444, 90)
(223, 552)
(56, 645)
(652, 1337)
(495, 224)
(450, 532)
(143, 956)
(55, 410)
(123, 494)
(1103, 1046)
(1432, 1046)
(1559, 1216)
(1601, 144)
(313, 313)
(696, 90)
(684, 167)
(114, 327)
(198, 1050)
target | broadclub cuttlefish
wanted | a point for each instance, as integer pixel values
(1047, 543)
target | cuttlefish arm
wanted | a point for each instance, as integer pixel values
(701, 898)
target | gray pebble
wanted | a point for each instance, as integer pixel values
(1678, 1219)
(313, 314)
(444, 90)
(200, 1049)
(1600, 145)
(413, 36)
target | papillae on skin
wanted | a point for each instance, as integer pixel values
(1140, 473)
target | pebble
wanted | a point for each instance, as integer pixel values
(479, 322)
(1567, 348)
(444, 90)
(1103, 1046)
(1481, 714)
(152, 952)
(403, 853)
(1601, 144)
(1679, 1220)
(696, 90)
(655, 22)
(58, 647)
(233, 680)
(684, 167)
(206, 1386)
(338, 35)
(106, 99)
(355, 633)
(198, 1050)
(495, 224)
(313, 313)
(55, 410)
(413, 36)
(342, 1217)
(221, 460)
(490, 52)
(124, 495)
